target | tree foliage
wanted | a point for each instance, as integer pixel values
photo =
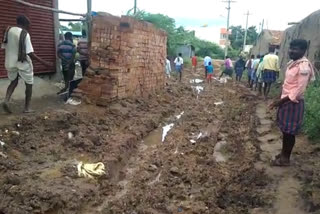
(237, 36)
(179, 35)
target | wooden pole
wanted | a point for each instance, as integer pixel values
(48, 8)
(89, 23)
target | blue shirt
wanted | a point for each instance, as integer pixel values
(210, 69)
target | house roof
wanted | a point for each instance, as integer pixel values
(276, 36)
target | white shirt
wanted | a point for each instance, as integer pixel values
(206, 60)
(180, 61)
(168, 66)
(12, 50)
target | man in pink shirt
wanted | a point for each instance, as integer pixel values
(291, 104)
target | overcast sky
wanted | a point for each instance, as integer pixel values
(193, 14)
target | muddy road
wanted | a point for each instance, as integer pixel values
(209, 159)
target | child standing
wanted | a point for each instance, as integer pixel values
(179, 63)
(210, 70)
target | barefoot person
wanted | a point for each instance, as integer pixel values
(18, 63)
(271, 70)
(291, 105)
(210, 70)
(179, 65)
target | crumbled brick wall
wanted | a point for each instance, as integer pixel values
(129, 57)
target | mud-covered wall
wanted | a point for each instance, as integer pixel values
(128, 57)
(308, 29)
(262, 44)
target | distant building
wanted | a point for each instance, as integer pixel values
(266, 39)
(223, 37)
(187, 51)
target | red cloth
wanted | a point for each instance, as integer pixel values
(194, 61)
(209, 76)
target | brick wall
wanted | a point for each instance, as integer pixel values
(128, 57)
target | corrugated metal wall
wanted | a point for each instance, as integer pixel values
(41, 31)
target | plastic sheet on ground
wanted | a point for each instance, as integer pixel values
(90, 170)
(166, 129)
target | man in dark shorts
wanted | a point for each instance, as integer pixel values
(291, 104)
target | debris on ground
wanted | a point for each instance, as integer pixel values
(87, 170)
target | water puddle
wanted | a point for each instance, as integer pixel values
(159, 135)
(153, 138)
(197, 81)
(218, 153)
(52, 172)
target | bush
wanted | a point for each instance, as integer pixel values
(312, 114)
(186, 61)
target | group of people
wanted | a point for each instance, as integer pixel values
(262, 71)
(67, 53)
(19, 54)
(194, 61)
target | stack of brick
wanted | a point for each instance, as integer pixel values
(128, 57)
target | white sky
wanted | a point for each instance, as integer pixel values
(276, 13)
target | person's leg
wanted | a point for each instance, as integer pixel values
(265, 89)
(260, 88)
(84, 66)
(206, 72)
(28, 98)
(180, 73)
(65, 78)
(9, 93)
(287, 146)
(268, 89)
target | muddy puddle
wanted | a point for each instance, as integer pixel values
(219, 152)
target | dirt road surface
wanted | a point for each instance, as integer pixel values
(213, 160)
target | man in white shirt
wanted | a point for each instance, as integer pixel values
(206, 61)
(18, 63)
(179, 65)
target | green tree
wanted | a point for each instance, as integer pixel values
(77, 26)
(237, 36)
(179, 36)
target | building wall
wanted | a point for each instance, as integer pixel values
(129, 57)
(308, 29)
(185, 50)
(41, 31)
(262, 45)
